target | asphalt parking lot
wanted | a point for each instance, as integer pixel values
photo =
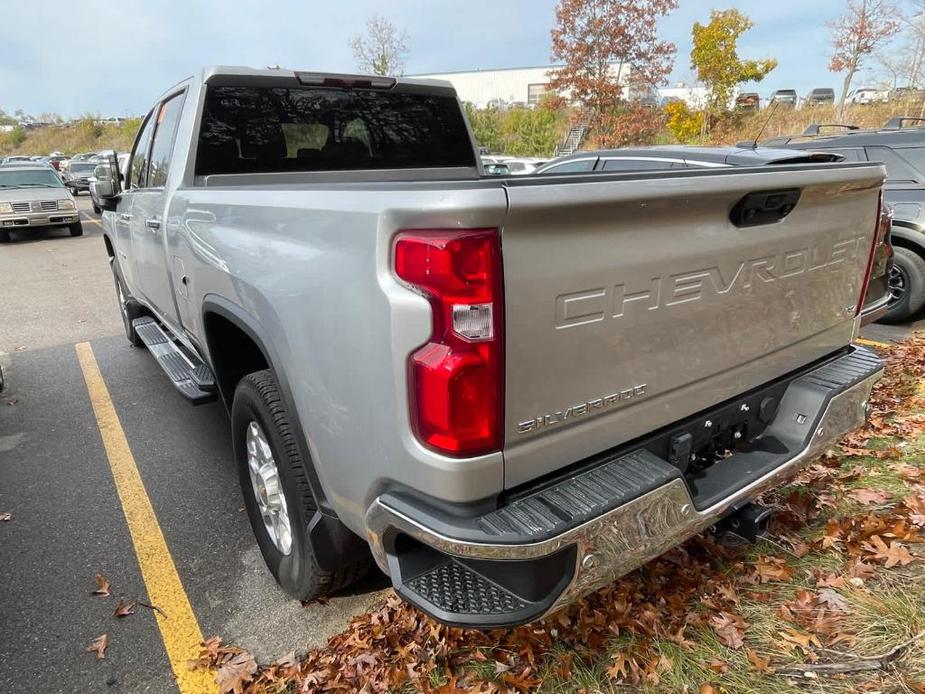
(75, 514)
(77, 509)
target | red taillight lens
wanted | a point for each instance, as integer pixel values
(880, 233)
(456, 380)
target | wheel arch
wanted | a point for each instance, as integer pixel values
(908, 235)
(334, 543)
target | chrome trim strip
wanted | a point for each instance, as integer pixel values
(630, 535)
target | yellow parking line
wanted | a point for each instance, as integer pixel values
(871, 343)
(179, 629)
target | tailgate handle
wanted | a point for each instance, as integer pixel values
(764, 207)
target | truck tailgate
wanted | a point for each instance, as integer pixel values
(631, 303)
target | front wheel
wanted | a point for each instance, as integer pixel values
(127, 309)
(276, 493)
(97, 209)
(76, 229)
(907, 285)
(4, 235)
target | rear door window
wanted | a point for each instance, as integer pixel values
(278, 129)
(139, 166)
(168, 117)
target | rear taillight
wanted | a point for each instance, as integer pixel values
(456, 380)
(881, 233)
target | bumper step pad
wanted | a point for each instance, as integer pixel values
(192, 379)
(456, 589)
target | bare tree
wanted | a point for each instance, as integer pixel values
(865, 27)
(382, 49)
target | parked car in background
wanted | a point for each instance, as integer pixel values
(78, 175)
(496, 169)
(909, 95)
(508, 392)
(902, 150)
(16, 159)
(32, 195)
(820, 96)
(523, 166)
(748, 101)
(666, 157)
(867, 95)
(58, 161)
(786, 98)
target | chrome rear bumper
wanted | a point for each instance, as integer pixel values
(620, 540)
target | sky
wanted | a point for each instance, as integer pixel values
(113, 58)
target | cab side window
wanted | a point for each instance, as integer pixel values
(138, 170)
(168, 117)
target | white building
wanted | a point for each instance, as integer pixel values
(503, 87)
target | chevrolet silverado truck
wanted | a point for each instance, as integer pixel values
(507, 391)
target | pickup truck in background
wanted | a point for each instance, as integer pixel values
(507, 391)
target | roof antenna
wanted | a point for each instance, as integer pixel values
(768, 120)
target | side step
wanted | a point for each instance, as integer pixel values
(192, 379)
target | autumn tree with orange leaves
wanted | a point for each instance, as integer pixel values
(598, 41)
(864, 27)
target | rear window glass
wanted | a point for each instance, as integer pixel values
(269, 130)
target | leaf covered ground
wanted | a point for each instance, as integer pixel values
(832, 601)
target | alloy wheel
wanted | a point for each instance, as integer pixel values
(268, 490)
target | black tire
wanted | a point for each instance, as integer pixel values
(907, 283)
(97, 209)
(127, 308)
(257, 399)
(4, 235)
(76, 229)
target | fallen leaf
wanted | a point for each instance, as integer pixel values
(730, 628)
(760, 664)
(718, 666)
(707, 688)
(799, 638)
(124, 609)
(99, 646)
(102, 586)
(12, 402)
(21, 348)
(6, 516)
(833, 600)
(619, 668)
(770, 569)
(869, 496)
(892, 554)
(236, 672)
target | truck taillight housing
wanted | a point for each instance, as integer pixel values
(881, 235)
(456, 380)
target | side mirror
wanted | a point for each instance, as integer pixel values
(107, 186)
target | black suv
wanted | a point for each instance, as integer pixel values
(900, 146)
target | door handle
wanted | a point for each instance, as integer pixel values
(124, 217)
(153, 224)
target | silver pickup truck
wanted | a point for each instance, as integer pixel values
(506, 391)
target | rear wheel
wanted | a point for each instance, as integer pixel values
(76, 229)
(96, 209)
(907, 285)
(276, 492)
